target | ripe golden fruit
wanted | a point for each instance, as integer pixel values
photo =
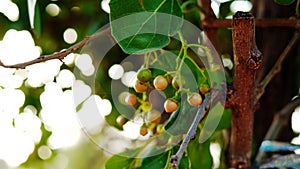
(140, 87)
(160, 82)
(130, 99)
(143, 130)
(153, 116)
(121, 120)
(194, 99)
(170, 105)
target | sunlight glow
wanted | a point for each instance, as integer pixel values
(105, 6)
(241, 5)
(227, 63)
(215, 7)
(52, 9)
(296, 120)
(12, 78)
(59, 115)
(81, 92)
(131, 130)
(90, 116)
(85, 64)
(30, 125)
(296, 141)
(215, 150)
(9, 9)
(42, 73)
(21, 40)
(11, 99)
(70, 35)
(65, 78)
(69, 60)
(44, 152)
(15, 146)
(116, 71)
(129, 78)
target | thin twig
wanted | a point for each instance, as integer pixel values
(276, 68)
(62, 54)
(279, 121)
(175, 159)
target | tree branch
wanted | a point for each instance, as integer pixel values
(62, 54)
(175, 159)
(279, 121)
(260, 90)
(208, 18)
(286, 22)
(247, 60)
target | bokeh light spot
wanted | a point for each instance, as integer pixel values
(116, 71)
(70, 35)
(52, 9)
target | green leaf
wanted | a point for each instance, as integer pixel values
(182, 121)
(199, 154)
(211, 122)
(119, 162)
(123, 160)
(141, 26)
(155, 160)
(185, 162)
(284, 2)
(225, 121)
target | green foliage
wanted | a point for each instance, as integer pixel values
(143, 32)
(284, 2)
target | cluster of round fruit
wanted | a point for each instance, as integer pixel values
(145, 80)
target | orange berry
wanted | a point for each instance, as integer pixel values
(153, 116)
(204, 88)
(140, 87)
(170, 105)
(143, 130)
(121, 120)
(160, 82)
(194, 99)
(131, 99)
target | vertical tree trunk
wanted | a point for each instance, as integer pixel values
(247, 60)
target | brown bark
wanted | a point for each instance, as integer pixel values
(207, 19)
(247, 60)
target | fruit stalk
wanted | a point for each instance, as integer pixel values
(247, 60)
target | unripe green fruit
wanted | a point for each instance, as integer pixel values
(146, 106)
(144, 75)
